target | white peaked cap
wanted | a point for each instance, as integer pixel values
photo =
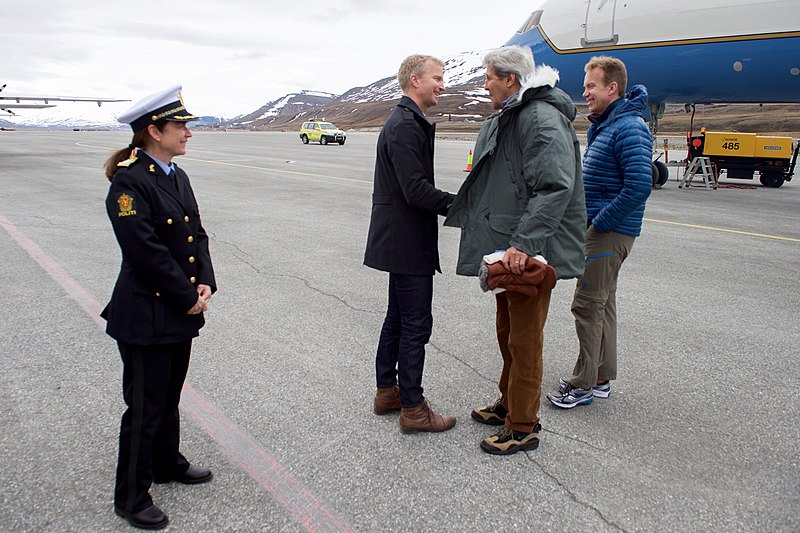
(163, 105)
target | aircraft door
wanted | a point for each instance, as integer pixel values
(599, 24)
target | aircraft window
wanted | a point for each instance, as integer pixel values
(531, 22)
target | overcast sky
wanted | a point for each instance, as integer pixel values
(233, 56)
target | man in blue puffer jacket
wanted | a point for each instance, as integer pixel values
(617, 179)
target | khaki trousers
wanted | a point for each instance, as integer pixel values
(520, 334)
(594, 307)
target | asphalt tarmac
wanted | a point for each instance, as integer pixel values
(700, 432)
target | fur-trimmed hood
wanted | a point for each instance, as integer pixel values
(542, 86)
(542, 75)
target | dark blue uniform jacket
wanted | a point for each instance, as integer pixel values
(164, 256)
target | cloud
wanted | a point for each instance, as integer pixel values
(233, 57)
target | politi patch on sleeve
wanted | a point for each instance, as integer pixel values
(126, 207)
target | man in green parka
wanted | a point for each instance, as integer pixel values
(524, 196)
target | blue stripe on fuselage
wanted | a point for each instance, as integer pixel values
(688, 73)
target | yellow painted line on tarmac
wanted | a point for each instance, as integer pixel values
(282, 171)
(365, 182)
(252, 167)
(725, 230)
(98, 147)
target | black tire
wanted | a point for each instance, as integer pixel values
(341, 143)
(323, 140)
(304, 138)
(772, 179)
(663, 172)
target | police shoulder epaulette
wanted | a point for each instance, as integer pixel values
(128, 162)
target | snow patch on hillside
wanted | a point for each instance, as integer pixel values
(461, 69)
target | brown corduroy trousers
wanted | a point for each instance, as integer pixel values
(520, 334)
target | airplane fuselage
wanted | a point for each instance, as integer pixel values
(684, 51)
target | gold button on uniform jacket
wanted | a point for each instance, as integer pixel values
(165, 255)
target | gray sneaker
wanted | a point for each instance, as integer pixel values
(568, 396)
(563, 387)
(602, 390)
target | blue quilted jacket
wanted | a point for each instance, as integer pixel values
(617, 172)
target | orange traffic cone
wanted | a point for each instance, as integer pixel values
(469, 163)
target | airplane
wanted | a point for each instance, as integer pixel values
(18, 99)
(684, 51)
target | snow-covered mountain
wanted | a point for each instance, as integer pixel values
(294, 104)
(70, 115)
(464, 97)
(464, 69)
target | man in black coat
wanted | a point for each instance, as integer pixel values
(402, 240)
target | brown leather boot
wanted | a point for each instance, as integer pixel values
(387, 400)
(422, 418)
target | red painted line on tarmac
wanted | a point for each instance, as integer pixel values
(265, 470)
(239, 447)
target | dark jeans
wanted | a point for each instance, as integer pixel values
(406, 330)
(149, 436)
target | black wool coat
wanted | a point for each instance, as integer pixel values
(403, 229)
(165, 256)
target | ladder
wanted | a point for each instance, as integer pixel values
(702, 166)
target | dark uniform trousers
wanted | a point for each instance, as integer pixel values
(149, 439)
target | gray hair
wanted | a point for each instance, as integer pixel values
(507, 60)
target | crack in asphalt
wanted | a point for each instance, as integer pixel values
(47, 220)
(239, 254)
(212, 236)
(566, 489)
(320, 291)
(575, 439)
(572, 495)
(463, 362)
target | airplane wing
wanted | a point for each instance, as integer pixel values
(25, 106)
(15, 101)
(47, 99)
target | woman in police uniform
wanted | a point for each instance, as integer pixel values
(164, 286)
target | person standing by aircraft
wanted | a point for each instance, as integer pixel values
(524, 196)
(617, 177)
(156, 309)
(402, 241)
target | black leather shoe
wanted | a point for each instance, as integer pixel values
(193, 476)
(150, 518)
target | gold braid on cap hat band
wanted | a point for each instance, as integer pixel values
(167, 113)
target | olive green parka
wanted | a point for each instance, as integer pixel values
(525, 189)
